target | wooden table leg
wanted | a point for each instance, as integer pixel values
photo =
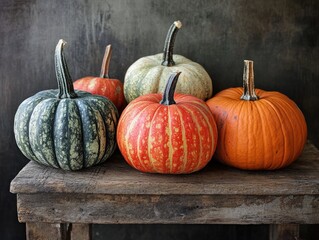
(284, 232)
(81, 231)
(58, 231)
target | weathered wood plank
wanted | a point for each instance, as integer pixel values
(284, 232)
(116, 177)
(187, 209)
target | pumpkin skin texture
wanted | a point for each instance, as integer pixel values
(177, 135)
(104, 85)
(64, 128)
(258, 130)
(150, 74)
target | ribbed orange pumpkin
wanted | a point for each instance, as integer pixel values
(167, 133)
(257, 130)
(104, 85)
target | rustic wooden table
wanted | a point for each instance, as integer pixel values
(62, 205)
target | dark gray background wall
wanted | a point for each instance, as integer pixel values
(281, 36)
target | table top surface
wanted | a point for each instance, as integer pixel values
(115, 176)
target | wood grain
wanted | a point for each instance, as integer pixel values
(168, 209)
(116, 177)
(116, 193)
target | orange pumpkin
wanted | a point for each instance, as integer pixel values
(167, 133)
(258, 130)
(104, 85)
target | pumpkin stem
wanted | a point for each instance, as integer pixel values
(63, 77)
(248, 82)
(106, 62)
(169, 44)
(168, 95)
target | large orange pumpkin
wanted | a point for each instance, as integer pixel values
(104, 85)
(258, 130)
(167, 133)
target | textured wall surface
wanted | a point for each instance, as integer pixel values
(280, 36)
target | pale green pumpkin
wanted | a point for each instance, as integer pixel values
(149, 74)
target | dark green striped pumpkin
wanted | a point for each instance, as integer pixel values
(64, 128)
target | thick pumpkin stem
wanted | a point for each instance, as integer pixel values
(169, 44)
(168, 95)
(106, 62)
(248, 82)
(63, 77)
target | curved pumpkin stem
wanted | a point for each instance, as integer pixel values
(169, 44)
(168, 95)
(248, 82)
(106, 62)
(63, 77)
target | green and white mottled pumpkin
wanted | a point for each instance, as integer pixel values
(149, 74)
(64, 128)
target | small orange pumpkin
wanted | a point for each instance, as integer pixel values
(258, 130)
(104, 85)
(167, 133)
